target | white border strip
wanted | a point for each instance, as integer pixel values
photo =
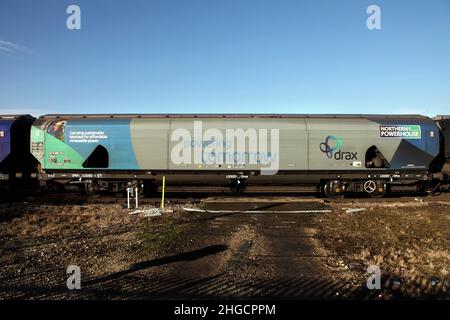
(255, 211)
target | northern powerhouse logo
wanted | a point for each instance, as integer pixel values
(401, 131)
(332, 147)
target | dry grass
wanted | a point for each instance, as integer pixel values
(410, 245)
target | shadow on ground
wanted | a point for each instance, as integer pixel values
(137, 283)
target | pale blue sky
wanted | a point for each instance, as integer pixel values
(225, 56)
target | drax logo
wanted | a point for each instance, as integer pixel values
(332, 147)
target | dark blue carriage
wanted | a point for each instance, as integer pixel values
(15, 158)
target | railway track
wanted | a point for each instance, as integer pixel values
(190, 195)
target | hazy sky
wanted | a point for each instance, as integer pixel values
(225, 56)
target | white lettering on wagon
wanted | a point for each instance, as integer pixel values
(401, 131)
(86, 136)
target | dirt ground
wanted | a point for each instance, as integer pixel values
(229, 254)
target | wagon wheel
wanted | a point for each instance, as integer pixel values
(374, 189)
(88, 189)
(330, 191)
(370, 186)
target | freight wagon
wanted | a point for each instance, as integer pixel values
(374, 154)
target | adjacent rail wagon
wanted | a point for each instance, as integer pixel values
(16, 162)
(374, 154)
(443, 122)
